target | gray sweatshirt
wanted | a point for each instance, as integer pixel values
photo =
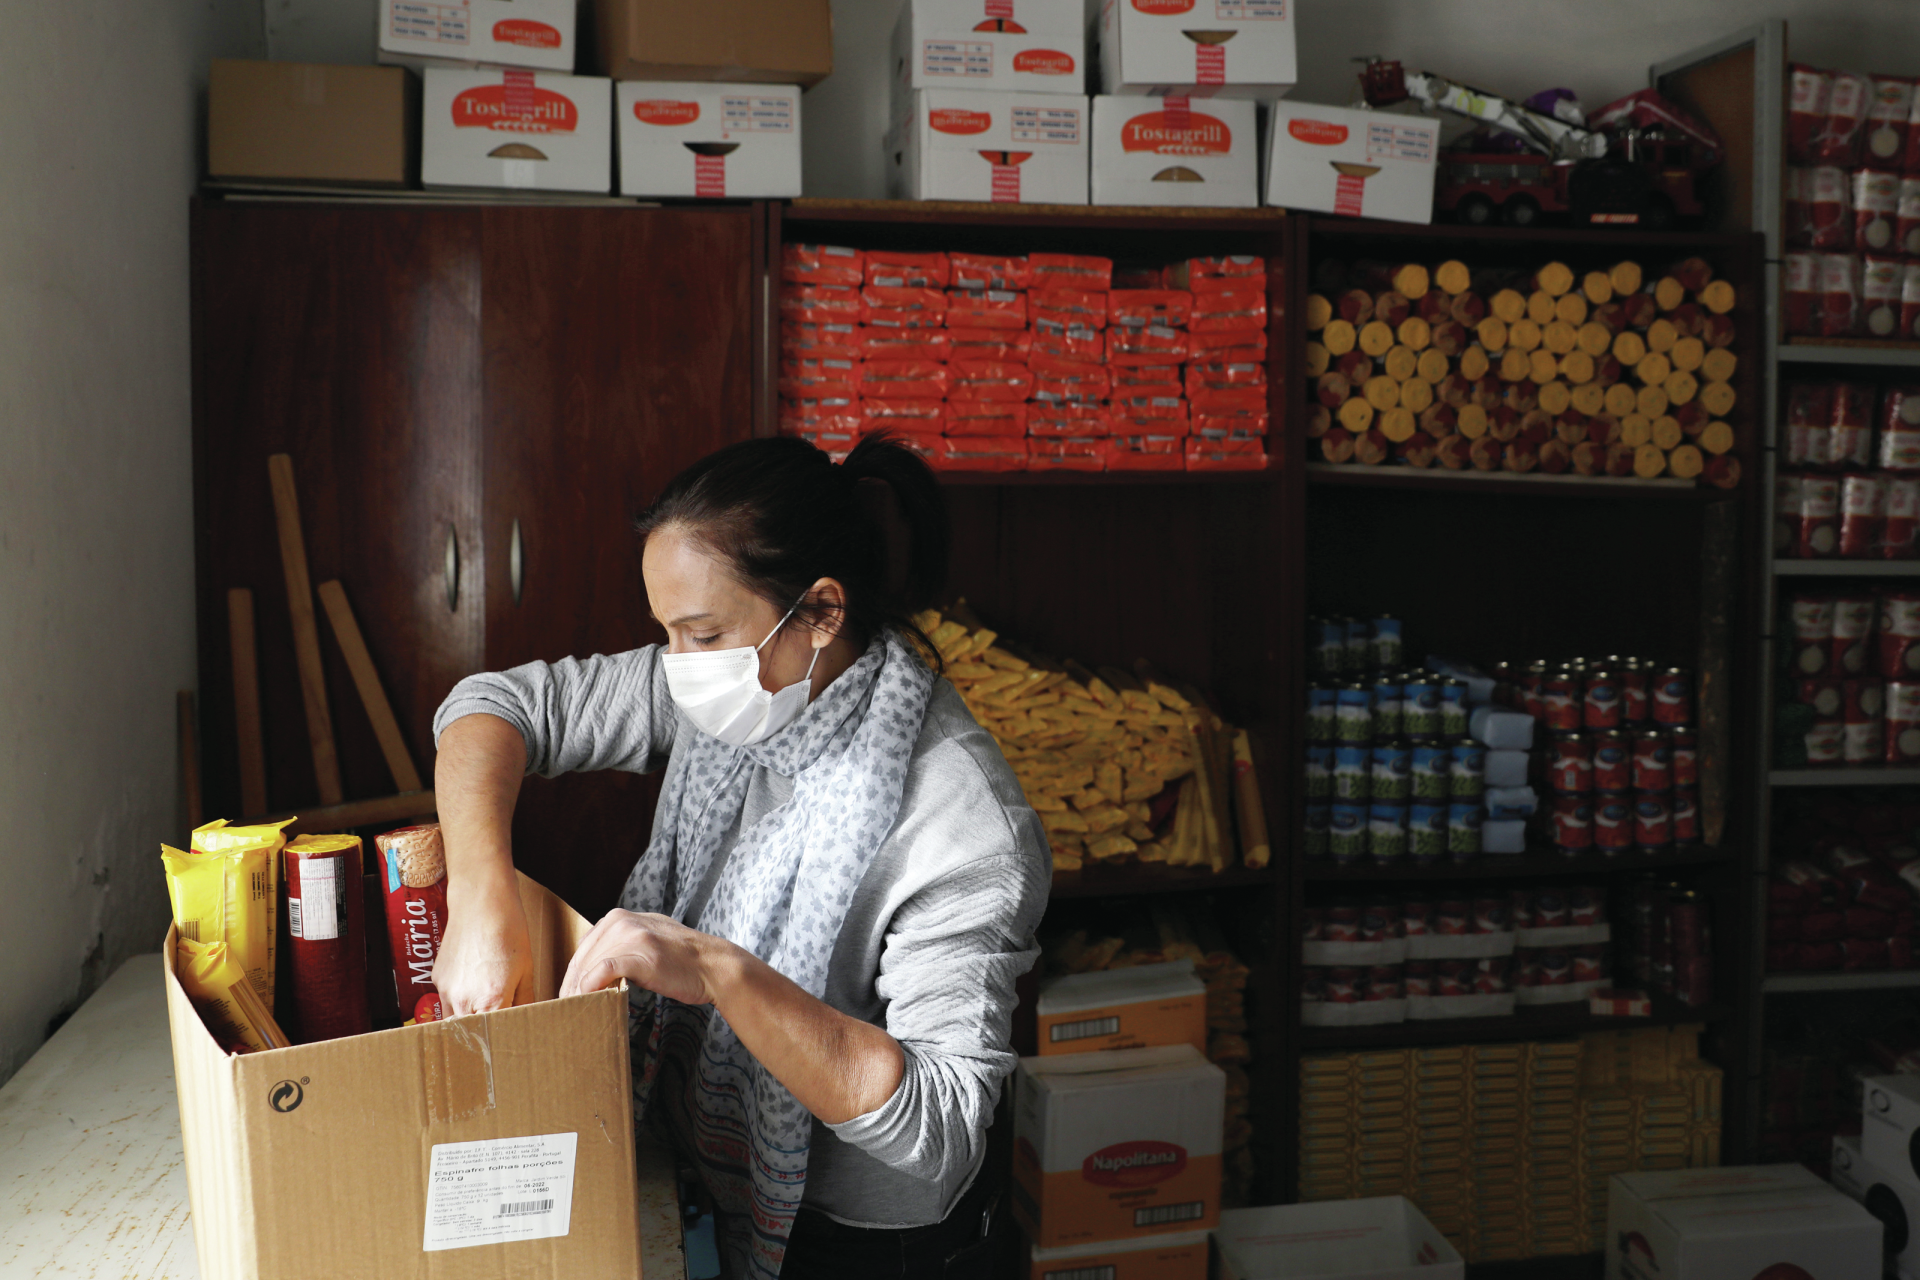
(939, 929)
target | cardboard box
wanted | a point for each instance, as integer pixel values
(477, 33)
(738, 41)
(1137, 1008)
(516, 129)
(1386, 1238)
(1020, 148)
(1895, 1203)
(363, 1156)
(303, 122)
(1889, 1125)
(1014, 46)
(1206, 48)
(1176, 151)
(1177, 1257)
(708, 140)
(1373, 164)
(1736, 1224)
(1116, 1146)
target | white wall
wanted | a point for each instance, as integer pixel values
(96, 550)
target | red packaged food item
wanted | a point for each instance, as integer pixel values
(1063, 309)
(1228, 310)
(1808, 91)
(1910, 302)
(986, 418)
(904, 379)
(1069, 381)
(1146, 380)
(1800, 292)
(1903, 720)
(893, 270)
(1071, 271)
(429, 1009)
(971, 343)
(905, 344)
(1170, 408)
(1899, 659)
(1808, 417)
(327, 941)
(983, 271)
(1850, 430)
(1673, 697)
(1229, 426)
(888, 299)
(1906, 217)
(1076, 343)
(1837, 295)
(1071, 421)
(1887, 115)
(989, 380)
(1067, 453)
(1812, 618)
(1225, 455)
(1876, 207)
(1416, 978)
(822, 264)
(1881, 281)
(1146, 453)
(1827, 205)
(1843, 131)
(904, 318)
(1230, 267)
(1863, 514)
(1154, 344)
(1220, 387)
(844, 413)
(1383, 982)
(981, 453)
(835, 340)
(1862, 954)
(819, 379)
(1786, 507)
(1492, 975)
(413, 866)
(822, 304)
(1864, 701)
(927, 417)
(834, 441)
(1229, 344)
(1138, 308)
(987, 309)
(1900, 537)
(1817, 531)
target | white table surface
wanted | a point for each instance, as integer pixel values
(92, 1180)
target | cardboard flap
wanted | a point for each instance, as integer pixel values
(555, 931)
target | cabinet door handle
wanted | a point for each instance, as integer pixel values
(453, 571)
(515, 562)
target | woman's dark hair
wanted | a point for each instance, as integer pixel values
(783, 515)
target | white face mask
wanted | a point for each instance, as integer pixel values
(721, 693)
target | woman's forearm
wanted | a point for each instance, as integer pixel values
(476, 781)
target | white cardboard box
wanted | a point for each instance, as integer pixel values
(1895, 1204)
(477, 33)
(516, 129)
(1737, 1224)
(1206, 48)
(1175, 151)
(1890, 1126)
(708, 140)
(1385, 1238)
(1021, 148)
(1016, 46)
(1373, 164)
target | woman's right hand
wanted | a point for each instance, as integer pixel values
(486, 958)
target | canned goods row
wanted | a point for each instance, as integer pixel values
(1860, 633)
(1419, 915)
(1360, 984)
(1562, 966)
(1580, 763)
(1393, 832)
(1390, 704)
(1850, 427)
(1351, 646)
(1859, 722)
(1856, 515)
(1398, 770)
(1603, 693)
(1669, 944)
(1615, 822)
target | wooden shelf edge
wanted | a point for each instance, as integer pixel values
(814, 209)
(1625, 242)
(1534, 864)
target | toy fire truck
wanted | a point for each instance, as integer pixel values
(1637, 162)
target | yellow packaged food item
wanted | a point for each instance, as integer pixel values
(227, 890)
(223, 993)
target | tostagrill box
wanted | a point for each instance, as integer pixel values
(1137, 1008)
(708, 140)
(1116, 1146)
(538, 34)
(1206, 48)
(491, 1146)
(516, 129)
(1016, 46)
(1176, 1257)
(1370, 164)
(1895, 1202)
(1890, 1126)
(737, 41)
(305, 122)
(1383, 1238)
(1020, 148)
(1767, 1222)
(1176, 151)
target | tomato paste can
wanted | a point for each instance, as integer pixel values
(1590, 962)
(1416, 978)
(1612, 821)
(1533, 690)
(1416, 917)
(1686, 758)
(1520, 909)
(1313, 984)
(1453, 977)
(1652, 820)
(1573, 823)
(1900, 635)
(1492, 975)
(1319, 837)
(1636, 695)
(1386, 705)
(1323, 712)
(1379, 922)
(1453, 917)
(1652, 760)
(1673, 697)
(1420, 706)
(1560, 696)
(1383, 982)
(1341, 922)
(1600, 705)
(1467, 775)
(1570, 764)
(1586, 904)
(1391, 776)
(1550, 908)
(1431, 766)
(1686, 815)
(1355, 711)
(1612, 761)
(1493, 913)
(1345, 984)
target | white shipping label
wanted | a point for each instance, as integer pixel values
(1046, 124)
(499, 1189)
(1250, 10)
(443, 23)
(960, 59)
(314, 916)
(756, 115)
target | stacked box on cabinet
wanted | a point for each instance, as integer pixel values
(520, 129)
(536, 34)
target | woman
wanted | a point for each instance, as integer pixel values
(842, 868)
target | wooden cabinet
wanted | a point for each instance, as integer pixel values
(464, 374)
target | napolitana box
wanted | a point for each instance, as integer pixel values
(711, 140)
(477, 33)
(1206, 48)
(1022, 46)
(516, 129)
(1370, 164)
(1022, 148)
(1176, 151)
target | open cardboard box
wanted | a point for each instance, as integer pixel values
(317, 1160)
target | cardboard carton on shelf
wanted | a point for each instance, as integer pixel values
(1890, 1126)
(1135, 1008)
(708, 140)
(736, 41)
(1384, 1238)
(1175, 151)
(1206, 48)
(1022, 148)
(1017, 46)
(500, 1143)
(1894, 1201)
(1176, 1257)
(538, 34)
(1371, 164)
(516, 129)
(306, 122)
(1737, 1223)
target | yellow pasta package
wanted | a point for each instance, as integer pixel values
(223, 994)
(226, 889)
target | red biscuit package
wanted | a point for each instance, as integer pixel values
(822, 264)
(1147, 380)
(1800, 292)
(1072, 271)
(1863, 515)
(1229, 426)
(1067, 453)
(1808, 90)
(927, 417)
(1900, 538)
(834, 441)
(1139, 277)
(413, 866)
(1146, 453)
(906, 379)
(990, 344)
(889, 299)
(1170, 408)
(1076, 343)
(1836, 295)
(1154, 344)
(1910, 302)
(1900, 429)
(1903, 720)
(1881, 280)
(1230, 267)
(1798, 225)
(904, 318)
(1232, 344)
(835, 340)
(1910, 159)
(907, 270)
(1892, 107)
(1852, 634)
(1079, 421)
(983, 271)
(1808, 419)
(835, 412)
(1844, 128)
(327, 941)
(1876, 210)
(982, 453)
(989, 380)
(1850, 426)
(1138, 308)
(819, 379)
(822, 304)
(1228, 309)
(1827, 207)
(1069, 381)
(1816, 527)
(986, 418)
(986, 309)
(1899, 639)
(1225, 455)
(878, 343)
(1062, 309)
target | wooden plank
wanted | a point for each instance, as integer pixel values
(189, 756)
(373, 696)
(329, 819)
(306, 634)
(246, 702)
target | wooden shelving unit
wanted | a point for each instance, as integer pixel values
(1535, 1022)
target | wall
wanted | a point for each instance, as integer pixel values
(96, 553)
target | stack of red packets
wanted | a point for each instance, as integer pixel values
(1847, 901)
(1042, 362)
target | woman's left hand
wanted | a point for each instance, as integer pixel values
(655, 952)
